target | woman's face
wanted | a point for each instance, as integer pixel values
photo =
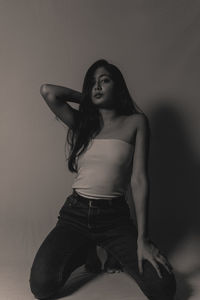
(102, 88)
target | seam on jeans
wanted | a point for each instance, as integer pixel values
(89, 226)
(60, 273)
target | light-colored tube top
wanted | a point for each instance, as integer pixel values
(104, 169)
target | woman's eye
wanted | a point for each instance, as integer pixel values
(105, 80)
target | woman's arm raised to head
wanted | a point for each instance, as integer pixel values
(60, 92)
(57, 97)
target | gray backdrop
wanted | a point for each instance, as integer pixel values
(156, 46)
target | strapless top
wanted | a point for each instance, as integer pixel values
(104, 169)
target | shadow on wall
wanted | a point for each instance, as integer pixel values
(174, 169)
(174, 193)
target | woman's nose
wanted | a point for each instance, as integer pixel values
(97, 85)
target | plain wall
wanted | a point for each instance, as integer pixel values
(156, 46)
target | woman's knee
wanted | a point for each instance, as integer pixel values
(44, 281)
(166, 289)
(161, 288)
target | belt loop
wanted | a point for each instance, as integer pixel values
(75, 194)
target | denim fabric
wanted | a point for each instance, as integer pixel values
(78, 227)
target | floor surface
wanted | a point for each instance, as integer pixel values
(118, 286)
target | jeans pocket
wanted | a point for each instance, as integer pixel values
(70, 202)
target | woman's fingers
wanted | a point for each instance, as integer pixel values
(153, 263)
(156, 267)
(151, 253)
(140, 265)
(164, 262)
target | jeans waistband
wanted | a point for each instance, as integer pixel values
(101, 203)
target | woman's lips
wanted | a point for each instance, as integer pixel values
(98, 95)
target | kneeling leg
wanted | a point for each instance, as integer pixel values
(63, 250)
(122, 244)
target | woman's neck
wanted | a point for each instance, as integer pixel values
(109, 117)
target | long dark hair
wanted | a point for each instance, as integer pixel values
(87, 125)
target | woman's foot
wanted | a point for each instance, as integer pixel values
(112, 265)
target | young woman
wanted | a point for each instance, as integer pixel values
(109, 145)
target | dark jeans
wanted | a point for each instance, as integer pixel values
(79, 226)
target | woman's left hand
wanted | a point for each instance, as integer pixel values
(147, 250)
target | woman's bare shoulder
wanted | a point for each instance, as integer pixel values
(137, 120)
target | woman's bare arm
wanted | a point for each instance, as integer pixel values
(57, 97)
(61, 93)
(139, 180)
(146, 249)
